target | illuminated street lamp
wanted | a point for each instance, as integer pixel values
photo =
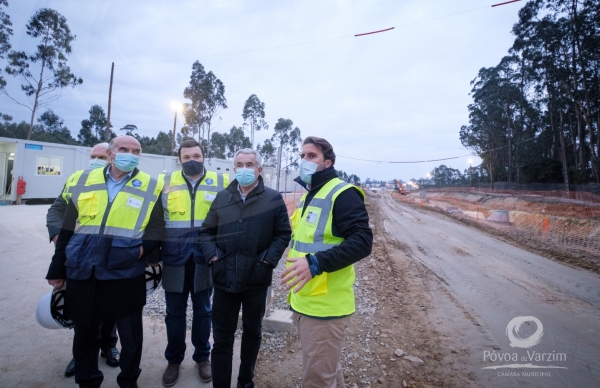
(177, 107)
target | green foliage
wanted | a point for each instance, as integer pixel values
(548, 86)
(225, 145)
(352, 178)
(55, 39)
(207, 95)
(5, 34)
(50, 128)
(254, 116)
(268, 153)
(129, 128)
(161, 145)
(287, 141)
(93, 129)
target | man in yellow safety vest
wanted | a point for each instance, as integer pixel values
(54, 220)
(113, 222)
(331, 232)
(186, 198)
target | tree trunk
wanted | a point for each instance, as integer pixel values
(37, 96)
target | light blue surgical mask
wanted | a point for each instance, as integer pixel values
(126, 162)
(307, 169)
(97, 163)
(245, 176)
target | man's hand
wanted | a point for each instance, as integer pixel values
(141, 252)
(57, 283)
(298, 273)
(154, 264)
(54, 238)
(214, 258)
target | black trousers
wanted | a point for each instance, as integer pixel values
(86, 346)
(108, 335)
(226, 309)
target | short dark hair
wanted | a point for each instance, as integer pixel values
(322, 144)
(189, 144)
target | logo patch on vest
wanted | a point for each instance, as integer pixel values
(209, 181)
(136, 183)
(210, 197)
(134, 202)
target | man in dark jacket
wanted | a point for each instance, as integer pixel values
(244, 234)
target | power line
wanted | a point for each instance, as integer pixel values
(431, 160)
(318, 40)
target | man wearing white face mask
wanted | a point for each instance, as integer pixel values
(54, 220)
(244, 234)
(330, 233)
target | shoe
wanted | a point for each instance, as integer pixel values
(112, 356)
(170, 375)
(204, 371)
(70, 371)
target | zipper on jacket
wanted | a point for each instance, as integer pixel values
(104, 218)
(193, 192)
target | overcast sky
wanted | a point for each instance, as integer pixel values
(401, 95)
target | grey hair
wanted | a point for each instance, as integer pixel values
(248, 151)
(111, 144)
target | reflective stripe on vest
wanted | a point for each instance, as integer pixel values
(330, 294)
(91, 199)
(326, 205)
(218, 183)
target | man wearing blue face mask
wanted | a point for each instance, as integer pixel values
(112, 227)
(244, 235)
(54, 220)
(187, 196)
(330, 233)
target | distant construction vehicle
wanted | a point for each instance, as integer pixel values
(400, 188)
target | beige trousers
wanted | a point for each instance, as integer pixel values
(322, 341)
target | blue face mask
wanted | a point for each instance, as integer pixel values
(97, 163)
(245, 176)
(307, 169)
(126, 162)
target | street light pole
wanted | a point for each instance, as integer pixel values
(471, 171)
(174, 131)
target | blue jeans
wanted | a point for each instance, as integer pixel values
(226, 311)
(175, 320)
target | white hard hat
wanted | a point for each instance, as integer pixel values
(50, 310)
(153, 278)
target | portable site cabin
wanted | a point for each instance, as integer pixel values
(45, 168)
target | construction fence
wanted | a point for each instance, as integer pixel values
(562, 234)
(588, 193)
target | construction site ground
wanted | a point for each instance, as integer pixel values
(443, 288)
(440, 286)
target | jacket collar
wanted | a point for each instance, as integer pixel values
(318, 179)
(233, 188)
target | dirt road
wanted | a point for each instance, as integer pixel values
(445, 292)
(478, 284)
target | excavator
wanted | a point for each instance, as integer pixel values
(400, 188)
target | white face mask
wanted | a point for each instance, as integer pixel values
(307, 169)
(97, 163)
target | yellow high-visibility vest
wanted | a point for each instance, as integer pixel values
(71, 182)
(177, 202)
(330, 294)
(128, 214)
